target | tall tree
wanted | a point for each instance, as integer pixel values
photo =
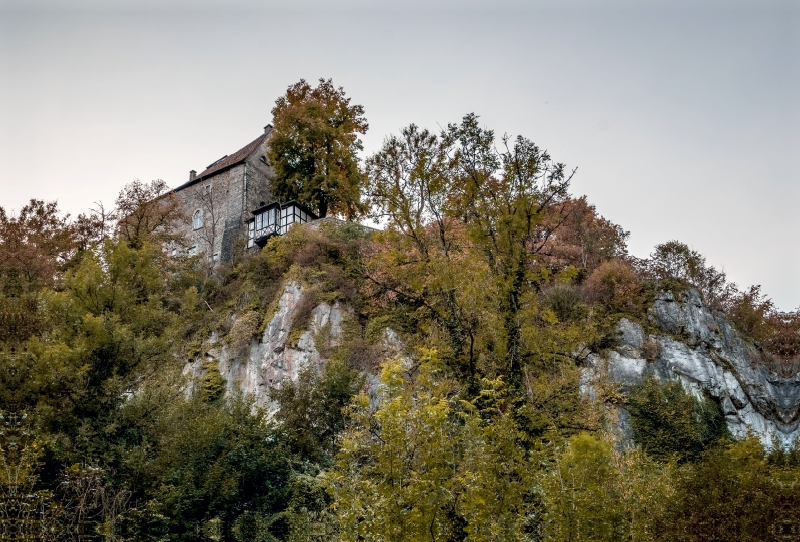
(313, 148)
(149, 213)
(463, 210)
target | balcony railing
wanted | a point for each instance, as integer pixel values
(275, 219)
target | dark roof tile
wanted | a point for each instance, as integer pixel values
(225, 163)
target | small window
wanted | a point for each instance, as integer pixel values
(208, 189)
(193, 251)
(215, 257)
(197, 221)
(174, 252)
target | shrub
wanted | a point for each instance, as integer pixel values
(310, 410)
(616, 285)
(668, 422)
(749, 312)
(650, 350)
(304, 311)
(242, 332)
(565, 301)
(213, 383)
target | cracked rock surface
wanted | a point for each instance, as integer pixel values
(704, 352)
(272, 359)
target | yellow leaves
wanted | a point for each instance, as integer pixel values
(392, 375)
(548, 317)
(598, 492)
(426, 458)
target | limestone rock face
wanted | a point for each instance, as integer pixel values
(272, 359)
(704, 352)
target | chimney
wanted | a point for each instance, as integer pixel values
(192, 175)
(267, 130)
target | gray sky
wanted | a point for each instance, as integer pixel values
(682, 117)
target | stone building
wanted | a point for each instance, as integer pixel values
(220, 200)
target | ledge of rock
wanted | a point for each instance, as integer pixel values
(703, 351)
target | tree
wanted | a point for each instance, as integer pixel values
(464, 211)
(733, 494)
(425, 464)
(313, 148)
(309, 412)
(675, 261)
(149, 212)
(598, 491)
(585, 240)
(210, 227)
(670, 423)
(35, 246)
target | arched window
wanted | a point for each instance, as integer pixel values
(197, 221)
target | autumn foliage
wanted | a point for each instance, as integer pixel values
(454, 404)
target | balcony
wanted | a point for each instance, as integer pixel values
(275, 219)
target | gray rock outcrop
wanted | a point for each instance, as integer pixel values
(703, 351)
(272, 359)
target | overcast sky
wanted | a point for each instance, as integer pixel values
(683, 118)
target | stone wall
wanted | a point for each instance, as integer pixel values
(234, 194)
(221, 208)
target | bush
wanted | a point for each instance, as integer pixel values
(676, 262)
(213, 383)
(565, 301)
(242, 332)
(309, 414)
(616, 285)
(732, 495)
(668, 422)
(650, 350)
(214, 464)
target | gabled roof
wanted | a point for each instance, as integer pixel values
(227, 162)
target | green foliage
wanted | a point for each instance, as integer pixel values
(207, 463)
(499, 284)
(397, 320)
(310, 410)
(427, 465)
(670, 423)
(565, 302)
(313, 148)
(596, 492)
(732, 494)
(107, 328)
(468, 224)
(212, 386)
(242, 332)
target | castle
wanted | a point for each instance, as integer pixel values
(232, 200)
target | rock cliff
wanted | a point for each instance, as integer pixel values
(273, 358)
(703, 351)
(692, 344)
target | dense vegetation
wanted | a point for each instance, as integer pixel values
(498, 283)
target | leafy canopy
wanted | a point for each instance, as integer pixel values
(313, 148)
